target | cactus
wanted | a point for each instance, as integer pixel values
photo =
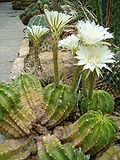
(60, 101)
(101, 100)
(51, 148)
(33, 9)
(31, 93)
(14, 149)
(92, 132)
(112, 153)
(29, 12)
(29, 112)
(37, 20)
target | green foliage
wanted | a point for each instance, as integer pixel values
(97, 7)
(92, 132)
(101, 100)
(60, 102)
(116, 21)
(51, 149)
(38, 20)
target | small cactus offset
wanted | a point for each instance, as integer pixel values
(101, 100)
(92, 132)
(60, 102)
(50, 148)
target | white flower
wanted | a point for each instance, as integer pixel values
(36, 32)
(94, 58)
(92, 34)
(56, 21)
(71, 43)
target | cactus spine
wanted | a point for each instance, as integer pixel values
(92, 132)
(101, 100)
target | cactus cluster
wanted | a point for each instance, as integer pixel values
(101, 100)
(92, 132)
(29, 112)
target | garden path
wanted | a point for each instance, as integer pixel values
(11, 35)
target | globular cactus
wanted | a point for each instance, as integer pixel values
(37, 20)
(92, 132)
(101, 100)
(60, 102)
(50, 148)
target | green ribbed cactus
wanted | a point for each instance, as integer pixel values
(101, 100)
(13, 118)
(31, 93)
(14, 149)
(92, 132)
(50, 148)
(37, 20)
(112, 153)
(60, 102)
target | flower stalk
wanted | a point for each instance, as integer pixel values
(91, 86)
(75, 77)
(37, 59)
(84, 85)
(55, 60)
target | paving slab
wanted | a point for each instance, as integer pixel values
(11, 35)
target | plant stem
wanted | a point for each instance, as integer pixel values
(55, 60)
(91, 86)
(37, 59)
(84, 86)
(75, 77)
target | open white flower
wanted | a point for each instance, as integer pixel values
(71, 43)
(92, 34)
(56, 20)
(94, 58)
(36, 32)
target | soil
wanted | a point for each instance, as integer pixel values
(66, 66)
